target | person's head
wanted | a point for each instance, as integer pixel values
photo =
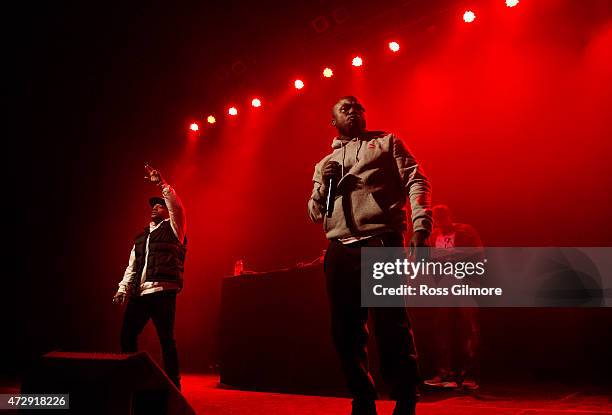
(443, 219)
(348, 116)
(159, 211)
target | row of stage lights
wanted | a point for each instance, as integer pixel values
(357, 61)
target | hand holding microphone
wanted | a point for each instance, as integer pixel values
(332, 171)
(154, 175)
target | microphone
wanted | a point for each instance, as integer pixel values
(331, 196)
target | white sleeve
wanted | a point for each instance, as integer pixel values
(129, 274)
(176, 211)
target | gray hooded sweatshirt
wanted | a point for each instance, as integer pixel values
(378, 175)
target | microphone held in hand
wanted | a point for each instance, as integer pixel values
(332, 171)
(331, 196)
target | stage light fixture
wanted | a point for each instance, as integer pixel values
(357, 61)
(211, 119)
(394, 46)
(469, 16)
(194, 127)
(299, 84)
(328, 73)
(512, 3)
(232, 111)
(256, 102)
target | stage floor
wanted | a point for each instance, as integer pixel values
(206, 397)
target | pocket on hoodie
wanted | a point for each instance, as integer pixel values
(367, 210)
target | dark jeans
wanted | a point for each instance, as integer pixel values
(457, 341)
(392, 328)
(161, 308)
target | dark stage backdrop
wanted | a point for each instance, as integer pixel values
(509, 118)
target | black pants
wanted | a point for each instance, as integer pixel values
(457, 341)
(161, 308)
(392, 328)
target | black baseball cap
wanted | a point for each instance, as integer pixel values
(157, 200)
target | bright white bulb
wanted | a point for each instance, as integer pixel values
(469, 16)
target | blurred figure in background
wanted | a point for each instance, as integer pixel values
(457, 338)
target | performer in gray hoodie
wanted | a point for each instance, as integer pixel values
(372, 175)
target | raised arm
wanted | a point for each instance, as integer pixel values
(176, 211)
(175, 207)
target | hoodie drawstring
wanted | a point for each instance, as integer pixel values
(343, 155)
(343, 144)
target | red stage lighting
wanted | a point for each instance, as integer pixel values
(469, 16)
(512, 3)
(232, 111)
(299, 84)
(394, 46)
(328, 73)
(357, 61)
(211, 119)
(194, 127)
(256, 102)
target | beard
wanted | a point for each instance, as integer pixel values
(355, 127)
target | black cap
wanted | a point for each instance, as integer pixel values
(157, 200)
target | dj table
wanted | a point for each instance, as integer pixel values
(274, 333)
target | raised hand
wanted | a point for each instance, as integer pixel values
(154, 175)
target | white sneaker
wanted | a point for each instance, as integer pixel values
(470, 384)
(440, 381)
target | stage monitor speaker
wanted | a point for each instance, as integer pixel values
(97, 383)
